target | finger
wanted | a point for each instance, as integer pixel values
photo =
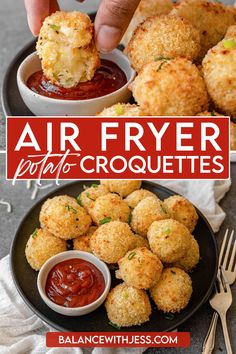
(37, 11)
(112, 19)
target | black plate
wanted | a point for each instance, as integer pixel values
(25, 278)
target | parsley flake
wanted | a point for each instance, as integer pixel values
(105, 220)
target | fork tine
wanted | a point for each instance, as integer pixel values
(223, 246)
(232, 259)
(226, 257)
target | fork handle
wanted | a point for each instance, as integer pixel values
(209, 342)
(226, 333)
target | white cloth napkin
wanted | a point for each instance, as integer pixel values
(22, 332)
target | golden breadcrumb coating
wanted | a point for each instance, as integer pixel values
(173, 291)
(122, 187)
(64, 217)
(191, 258)
(135, 197)
(111, 241)
(163, 37)
(109, 207)
(147, 211)
(66, 48)
(169, 240)
(146, 8)
(232, 136)
(82, 243)
(41, 246)
(182, 209)
(122, 110)
(140, 268)
(90, 194)
(170, 88)
(211, 19)
(127, 306)
(219, 68)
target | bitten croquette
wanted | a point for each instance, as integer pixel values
(147, 211)
(122, 110)
(211, 19)
(109, 207)
(122, 187)
(63, 217)
(41, 246)
(82, 243)
(66, 48)
(182, 209)
(111, 241)
(173, 291)
(163, 37)
(169, 240)
(140, 268)
(135, 197)
(127, 306)
(170, 88)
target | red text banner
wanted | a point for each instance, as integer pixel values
(117, 148)
(121, 339)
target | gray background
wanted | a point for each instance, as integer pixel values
(13, 35)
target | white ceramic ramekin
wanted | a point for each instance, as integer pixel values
(46, 106)
(60, 257)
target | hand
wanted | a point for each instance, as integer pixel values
(112, 19)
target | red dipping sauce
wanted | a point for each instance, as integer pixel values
(107, 79)
(74, 283)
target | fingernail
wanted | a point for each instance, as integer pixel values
(107, 38)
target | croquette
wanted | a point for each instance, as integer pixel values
(66, 48)
(127, 306)
(147, 211)
(111, 241)
(122, 110)
(140, 268)
(109, 207)
(182, 209)
(173, 291)
(233, 136)
(191, 258)
(169, 240)
(135, 197)
(163, 37)
(41, 246)
(211, 19)
(63, 217)
(170, 88)
(82, 243)
(122, 187)
(146, 8)
(90, 194)
(219, 68)
(141, 241)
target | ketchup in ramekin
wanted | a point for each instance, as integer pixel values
(74, 283)
(108, 78)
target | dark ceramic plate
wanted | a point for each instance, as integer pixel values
(25, 278)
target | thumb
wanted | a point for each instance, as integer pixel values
(112, 19)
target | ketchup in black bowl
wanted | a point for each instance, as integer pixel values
(108, 78)
(74, 283)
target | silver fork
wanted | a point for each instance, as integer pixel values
(230, 275)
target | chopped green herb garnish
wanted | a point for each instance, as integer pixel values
(70, 208)
(105, 220)
(85, 187)
(173, 272)
(55, 27)
(131, 255)
(161, 58)
(88, 196)
(229, 43)
(213, 113)
(169, 316)
(79, 200)
(94, 185)
(113, 325)
(34, 234)
(163, 209)
(167, 231)
(129, 219)
(125, 295)
(119, 109)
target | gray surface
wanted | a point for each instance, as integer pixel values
(13, 35)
